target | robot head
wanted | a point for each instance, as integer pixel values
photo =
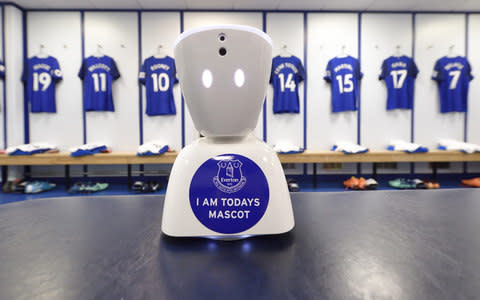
(223, 72)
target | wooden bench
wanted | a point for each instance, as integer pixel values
(314, 157)
(378, 157)
(65, 159)
(375, 157)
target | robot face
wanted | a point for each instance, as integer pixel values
(223, 72)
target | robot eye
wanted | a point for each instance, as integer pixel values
(223, 164)
(207, 78)
(239, 77)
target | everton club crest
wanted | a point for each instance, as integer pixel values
(229, 177)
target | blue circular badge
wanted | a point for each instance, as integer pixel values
(229, 193)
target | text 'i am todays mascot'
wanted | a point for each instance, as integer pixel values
(228, 184)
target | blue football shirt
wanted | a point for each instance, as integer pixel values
(98, 74)
(40, 76)
(159, 75)
(399, 73)
(453, 75)
(286, 74)
(344, 75)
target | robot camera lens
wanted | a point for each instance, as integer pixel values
(222, 51)
(222, 37)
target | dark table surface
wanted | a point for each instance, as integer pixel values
(349, 245)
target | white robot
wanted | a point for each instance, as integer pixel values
(228, 184)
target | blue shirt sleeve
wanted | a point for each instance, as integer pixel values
(174, 72)
(469, 71)
(142, 74)
(83, 69)
(301, 72)
(328, 72)
(2, 70)
(114, 71)
(413, 70)
(437, 72)
(358, 72)
(56, 72)
(271, 72)
(383, 72)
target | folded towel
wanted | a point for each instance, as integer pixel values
(88, 149)
(29, 149)
(349, 148)
(459, 146)
(284, 147)
(398, 145)
(152, 148)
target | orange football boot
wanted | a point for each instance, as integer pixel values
(362, 183)
(351, 183)
(474, 182)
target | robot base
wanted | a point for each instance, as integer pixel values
(227, 188)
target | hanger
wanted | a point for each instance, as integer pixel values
(160, 52)
(342, 52)
(41, 52)
(284, 51)
(397, 51)
(451, 52)
(99, 52)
